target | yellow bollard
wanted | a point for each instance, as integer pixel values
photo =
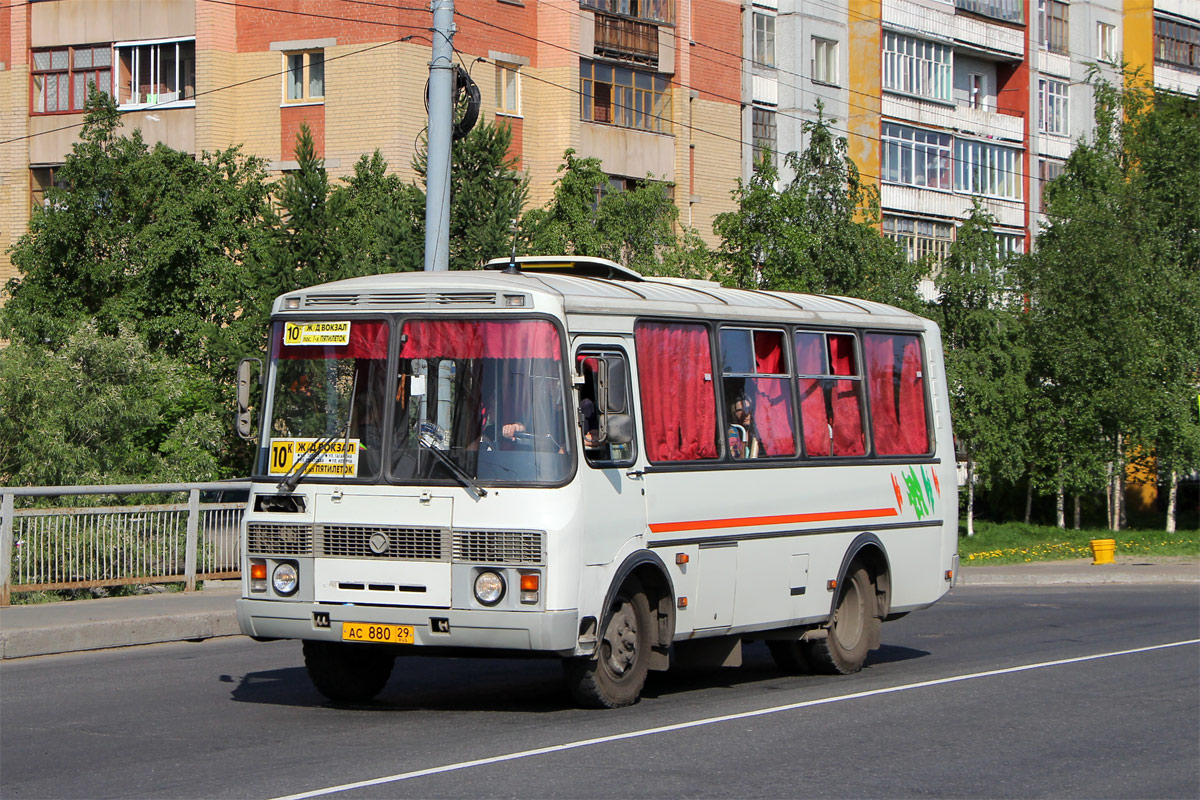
(1103, 550)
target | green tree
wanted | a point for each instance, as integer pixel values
(1115, 299)
(104, 408)
(986, 359)
(818, 233)
(487, 195)
(149, 237)
(586, 217)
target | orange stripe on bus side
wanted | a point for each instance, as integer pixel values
(740, 522)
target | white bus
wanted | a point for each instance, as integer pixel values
(559, 456)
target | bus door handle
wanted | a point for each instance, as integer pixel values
(635, 474)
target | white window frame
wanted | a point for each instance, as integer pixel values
(1106, 42)
(918, 67)
(919, 237)
(508, 89)
(1054, 107)
(977, 91)
(306, 62)
(153, 74)
(912, 155)
(825, 61)
(987, 169)
(764, 38)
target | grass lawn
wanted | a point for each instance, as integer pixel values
(1017, 543)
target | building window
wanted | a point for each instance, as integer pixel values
(304, 77)
(627, 98)
(1106, 42)
(916, 157)
(40, 180)
(649, 10)
(1053, 31)
(764, 133)
(764, 39)
(920, 238)
(508, 88)
(1177, 44)
(987, 169)
(1006, 10)
(916, 67)
(825, 61)
(1048, 170)
(1052, 107)
(156, 74)
(1009, 244)
(977, 90)
(60, 77)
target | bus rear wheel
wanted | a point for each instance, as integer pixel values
(853, 627)
(347, 673)
(615, 676)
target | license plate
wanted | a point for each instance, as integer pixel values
(377, 633)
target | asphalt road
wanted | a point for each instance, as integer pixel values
(964, 700)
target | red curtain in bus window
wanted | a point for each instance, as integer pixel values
(679, 410)
(773, 400)
(897, 384)
(464, 339)
(368, 339)
(848, 438)
(814, 422)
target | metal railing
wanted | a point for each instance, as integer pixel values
(89, 547)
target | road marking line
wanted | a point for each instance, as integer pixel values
(679, 726)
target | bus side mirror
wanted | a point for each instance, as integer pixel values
(243, 422)
(620, 429)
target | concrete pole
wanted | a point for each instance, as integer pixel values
(441, 111)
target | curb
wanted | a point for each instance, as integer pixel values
(101, 634)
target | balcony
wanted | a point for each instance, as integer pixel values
(1012, 11)
(626, 39)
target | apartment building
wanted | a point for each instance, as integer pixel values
(626, 81)
(948, 101)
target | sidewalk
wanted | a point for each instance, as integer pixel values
(175, 616)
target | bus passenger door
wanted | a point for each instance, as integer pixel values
(612, 505)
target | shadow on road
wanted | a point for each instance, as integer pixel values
(524, 685)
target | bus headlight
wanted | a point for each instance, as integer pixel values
(489, 587)
(285, 579)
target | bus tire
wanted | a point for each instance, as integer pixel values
(347, 673)
(615, 675)
(853, 627)
(789, 656)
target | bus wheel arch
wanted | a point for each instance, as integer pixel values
(860, 602)
(633, 636)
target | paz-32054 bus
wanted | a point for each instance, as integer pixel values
(560, 456)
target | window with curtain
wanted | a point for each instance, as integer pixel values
(679, 411)
(830, 387)
(61, 77)
(758, 401)
(896, 381)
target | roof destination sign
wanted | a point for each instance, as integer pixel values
(329, 333)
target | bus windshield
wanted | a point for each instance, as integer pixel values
(469, 400)
(489, 395)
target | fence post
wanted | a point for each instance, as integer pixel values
(193, 526)
(6, 545)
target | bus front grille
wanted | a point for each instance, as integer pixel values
(273, 538)
(499, 547)
(380, 541)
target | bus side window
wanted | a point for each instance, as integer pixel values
(605, 421)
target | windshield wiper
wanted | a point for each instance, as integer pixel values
(297, 471)
(453, 468)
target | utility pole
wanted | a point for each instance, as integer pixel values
(441, 118)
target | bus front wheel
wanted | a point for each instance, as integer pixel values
(853, 627)
(615, 676)
(347, 673)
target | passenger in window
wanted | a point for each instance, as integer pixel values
(742, 437)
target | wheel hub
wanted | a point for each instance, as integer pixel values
(621, 640)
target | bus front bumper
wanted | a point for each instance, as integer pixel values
(553, 631)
